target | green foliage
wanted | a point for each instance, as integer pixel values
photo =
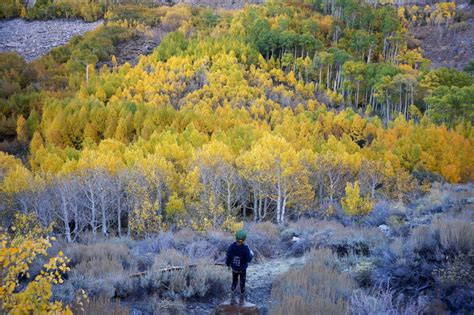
(89, 10)
(470, 68)
(48, 9)
(135, 14)
(15, 74)
(173, 44)
(9, 9)
(449, 78)
(452, 105)
(59, 70)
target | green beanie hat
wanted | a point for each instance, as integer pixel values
(240, 235)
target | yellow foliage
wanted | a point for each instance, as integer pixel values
(17, 254)
(231, 225)
(353, 204)
(175, 206)
(145, 220)
(27, 226)
(201, 225)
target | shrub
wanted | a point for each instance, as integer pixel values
(134, 14)
(404, 269)
(456, 236)
(438, 255)
(201, 280)
(100, 305)
(363, 273)
(201, 249)
(168, 307)
(450, 236)
(16, 255)
(153, 245)
(175, 17)
(317, 288)
(353, 204)
(266, 228)
(220, 242)
(168, 258)
(183, 237)
(381, 301)
(355, 241)
(263, 238)
(9, 9)
(288, 234)
(459, 271)
(435, 201)
(305, 227)
(116, 254)
(424, 239)
(209, 281)
(102, 269)
(379, 213)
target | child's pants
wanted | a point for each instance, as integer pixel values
(235, 278)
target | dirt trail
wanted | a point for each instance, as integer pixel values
(259, 284)
(260, 278)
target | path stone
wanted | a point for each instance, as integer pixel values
(228, 308)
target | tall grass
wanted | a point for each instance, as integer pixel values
(317, 288)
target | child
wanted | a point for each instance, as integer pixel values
(238, 257)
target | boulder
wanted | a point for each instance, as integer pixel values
(229, 308)
(385, 229)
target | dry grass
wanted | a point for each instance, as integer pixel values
(452, 236)
(168, 307)
(100, 306)
(381, 301)
(184, 237)
(264, 239)
(168, 258)
(317, 288)
(102, 269)
(459, 271)
(267, 228)
(456, 236)
(107, 251)
(423, 238)
(196, 281)
(310, 226)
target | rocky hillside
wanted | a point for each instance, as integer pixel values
(450, 47)
(227, 4)
(34, 39)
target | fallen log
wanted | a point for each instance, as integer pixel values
(172, 268)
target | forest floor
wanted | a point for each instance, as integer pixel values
(260, 277)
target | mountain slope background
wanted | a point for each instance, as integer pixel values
(321, 127)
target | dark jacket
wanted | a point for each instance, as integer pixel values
(238, 257)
